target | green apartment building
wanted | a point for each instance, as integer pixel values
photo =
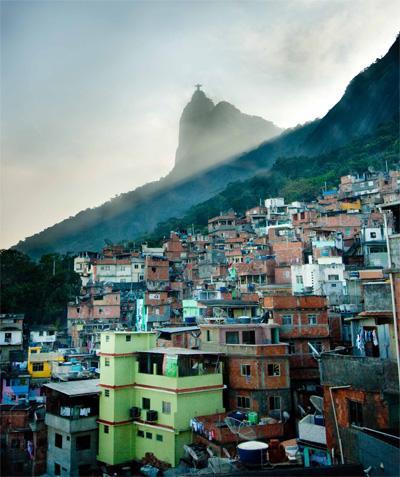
(149, 395)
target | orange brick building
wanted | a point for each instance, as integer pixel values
(256, 367)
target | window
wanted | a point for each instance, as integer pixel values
(373, 235)
(37, 366)
(333, 278)
(83, 442)
(7, 337)
(245, 370)
(128, 337)
(292, 347)
(243, 402)
(208, 335)
(100, 310)
(136, 266)
(107, 338)
(299, 280)
(249, 337)
(274, 369)
(106, 361)
(355, 413)
(107, 393)
(274, 403)
(106, 429)
(159, 437)
(57, 469)
(140, 433)
(312, 319)
(166, 407)
(149, 435)
(232, 337)
(145, 403)
(287, 320)
(58, 440)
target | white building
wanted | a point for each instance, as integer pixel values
(126, 270)
(326, 277)
(42, 337)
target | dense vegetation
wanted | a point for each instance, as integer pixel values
(294, 178)
(372, 98)
(40, 290)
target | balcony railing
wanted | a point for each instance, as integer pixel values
(214, 425)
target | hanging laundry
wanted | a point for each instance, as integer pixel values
(359, 342)
(375, 338)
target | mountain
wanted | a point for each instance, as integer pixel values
(370, 99)
(210, 134)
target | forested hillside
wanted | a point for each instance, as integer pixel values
(294, 178)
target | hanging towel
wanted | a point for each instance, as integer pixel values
(375, 338)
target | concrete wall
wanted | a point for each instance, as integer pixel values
(69, 457)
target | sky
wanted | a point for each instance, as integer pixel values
(92, 92)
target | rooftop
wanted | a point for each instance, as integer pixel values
(232, 303)
(76, 388)
(178, 329)
(178, 351)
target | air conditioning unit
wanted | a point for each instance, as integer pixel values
(135, 412)
(151, 416)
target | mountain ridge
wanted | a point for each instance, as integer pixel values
(137, 212)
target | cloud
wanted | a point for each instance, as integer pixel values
(92, 91)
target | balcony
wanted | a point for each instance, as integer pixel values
(185, 370)
(215, 425)
(70, 426)
(266, 349)
(311, 431)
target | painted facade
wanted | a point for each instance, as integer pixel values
(149, 396)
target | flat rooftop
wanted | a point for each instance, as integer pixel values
(178, 329)
(76, 388)
(178, 351)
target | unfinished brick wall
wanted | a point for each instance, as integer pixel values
(288, 253)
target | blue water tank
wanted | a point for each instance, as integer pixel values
(253, 453)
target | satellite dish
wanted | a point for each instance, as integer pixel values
(233, 424)
(247, 432)
(318, 403)
(191, 452)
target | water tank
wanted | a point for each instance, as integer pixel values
(253, 453)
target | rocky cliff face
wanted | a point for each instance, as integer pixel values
(371, 98)
(210, 134)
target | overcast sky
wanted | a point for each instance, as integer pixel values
(92, 91)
